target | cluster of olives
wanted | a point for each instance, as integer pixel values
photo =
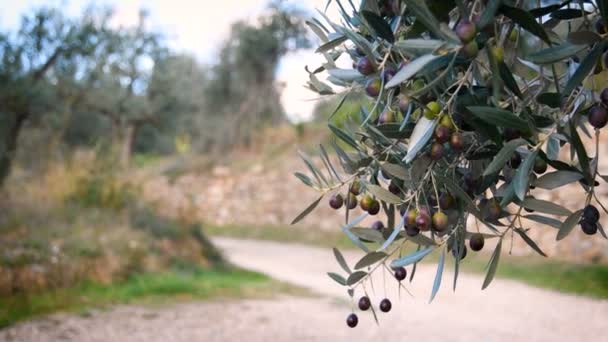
(444, 134)
(589, 220)
(400, 273)
(367, 202)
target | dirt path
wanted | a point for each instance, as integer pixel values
(507, 311)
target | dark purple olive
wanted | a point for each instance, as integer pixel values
(336, 201)
(423, 221)
(476, 242)
(442, 134)
(598, 116)
(387, 73)
(352, 320)
(364, 66)
(436, 151)
(385, 305)
(465, 30)
(591, 214)
(588, 228)
(364, 303)
(400, 273)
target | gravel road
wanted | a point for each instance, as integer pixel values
(507, 311)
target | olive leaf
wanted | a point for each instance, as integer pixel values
(438, 275)
(492, 265)
(370, 259)
(337, 278)
(307, 211)
(569, 224)
(412, 258)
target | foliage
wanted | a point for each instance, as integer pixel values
(242, 91)
(471, 102)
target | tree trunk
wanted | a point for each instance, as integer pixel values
(10, 127)
(127, 145)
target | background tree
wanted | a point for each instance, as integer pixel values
(44, 40)
(242, 90)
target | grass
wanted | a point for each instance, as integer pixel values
(148, 288)
(588, 280)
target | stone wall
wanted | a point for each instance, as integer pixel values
(269, 194)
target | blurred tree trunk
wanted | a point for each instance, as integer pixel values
(127, 145)
(10, 127)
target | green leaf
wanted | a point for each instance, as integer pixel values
(438, 275)
(552, 100)
(370, 259)
(383, 194)
(569, 224)
(343, 136)
(417, 47)
(379, 25)
(426, 17)
(420, 239)
(556, 179)
(488, 14)
(526, 21)
(555, 53)
(507, 76)
(568, 13)
(313, 169)
(395, 170)
(581, 153)
(368, 234)
(545, 207)
(421, 135)
(499, 117)
(411, 258)
(307, 211)
(341, 260)
(529, 241)
(355, 277)
(503, 156)
(522, 176)
(304, 178)
(337, 278)
(587, 64)
(346, 75)
(549, 221)
(410, 70)
(331, 44)
(493, 265)
(584, 37)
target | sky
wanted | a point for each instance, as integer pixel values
(198, 28)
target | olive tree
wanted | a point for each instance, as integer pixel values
(469, 105)
(27, 57)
